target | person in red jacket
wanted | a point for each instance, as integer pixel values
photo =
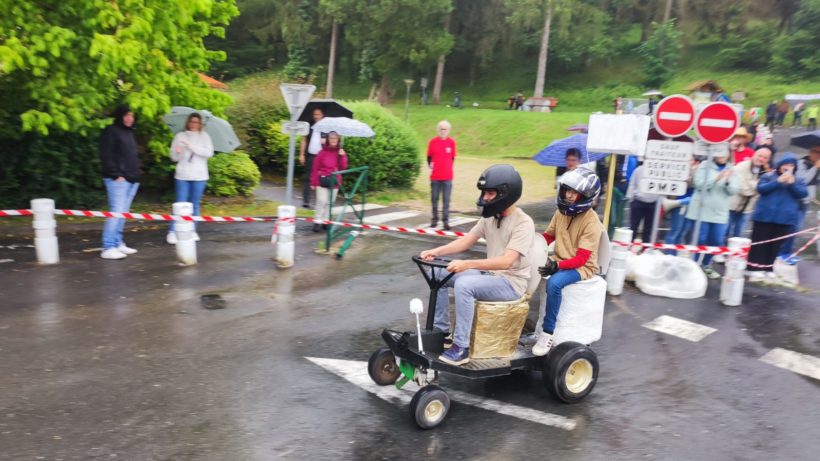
(576, 231)
(331, 158)
(441, 152)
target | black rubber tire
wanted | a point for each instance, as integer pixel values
(382, 367)
(570, 371)
(429, 406)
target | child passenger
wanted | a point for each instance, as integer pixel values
(576, 231)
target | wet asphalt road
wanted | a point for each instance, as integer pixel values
(120, 360)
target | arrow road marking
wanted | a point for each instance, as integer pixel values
(356, 372)
(675, 116)
(717, 122)
(793, 361)
(681, 328)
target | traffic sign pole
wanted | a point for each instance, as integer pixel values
(296, 97)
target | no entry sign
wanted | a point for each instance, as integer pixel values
(716, 122)
(674, 116)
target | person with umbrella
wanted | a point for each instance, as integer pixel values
(308, 150)
(190, 150)
(121, 174)
(329, 159)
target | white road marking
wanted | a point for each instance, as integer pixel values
(3, 261)
(681, 328)
(388, 217)
(677, 116)
(803, 364)
(717, 122)
(356, 372)
(462, 220)
(367, 207)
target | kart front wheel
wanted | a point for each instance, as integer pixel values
(382, 367)
(429, 406)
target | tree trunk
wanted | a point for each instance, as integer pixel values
(439, 79)
(667, 13)
(373, 90)
(384, 90)
(331, 62)
(542, 55)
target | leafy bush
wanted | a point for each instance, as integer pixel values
(748, 51)
(267, 145)
(795, 53)
(392, 155)
(64, 167)
(660, 53)
(232, 174)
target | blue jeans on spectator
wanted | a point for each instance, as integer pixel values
(788, 244)
(468, 286)
(677, 228)
(189, 191)
(710, 234)
(555, 284)
(641, 211)
(737, 222)
(120, 195)
(444, 188)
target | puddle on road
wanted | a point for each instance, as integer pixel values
(212, 301)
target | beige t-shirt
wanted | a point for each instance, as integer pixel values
(516, 233)
(573, 232)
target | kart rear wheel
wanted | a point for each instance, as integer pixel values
(571, 371)
(429, 406)
(382, 367)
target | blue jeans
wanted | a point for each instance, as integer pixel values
(737, 222)
(555, 284)
(788, 244)
(469, 286)
(444, 188)
(120, 196)
(710, 234)
(189, 191)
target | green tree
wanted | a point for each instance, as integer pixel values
(796, 54)
(660, 53)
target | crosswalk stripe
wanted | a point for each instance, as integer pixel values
(681, 328)
(388, 217)
(367, 207)
(462, 220)
(803, 364)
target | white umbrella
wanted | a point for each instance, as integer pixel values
(653, 93)
(344, 127)
(221, 132)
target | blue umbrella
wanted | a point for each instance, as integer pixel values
(555, 153)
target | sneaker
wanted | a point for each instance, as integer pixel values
(720, 259)
(196, 236)
(456, 355)
(125, 250)
(446, 226)
(448, 341)
(757, 276)
(171, 238)
(112, 253)
(528, 339)
(792, 261)
(711, 273)
(543, 345)
(433, 224)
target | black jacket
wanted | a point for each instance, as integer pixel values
(118, 150)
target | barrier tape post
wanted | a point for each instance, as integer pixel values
(186, 245)
(45, 234)
(731, 286)
(286, 230)
(617, 265)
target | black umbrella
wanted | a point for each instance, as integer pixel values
(330, 107)
(807, 140)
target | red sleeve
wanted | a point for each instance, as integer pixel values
(342, 162)
(581, 257)
(549, 238)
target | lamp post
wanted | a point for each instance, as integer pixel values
(408, 82)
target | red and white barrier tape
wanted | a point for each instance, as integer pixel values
(800, 250)
(388, 228)
(804, 231)
(691, 248)
(15, 213)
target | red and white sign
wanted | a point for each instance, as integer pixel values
(717, 122)
(674, 116)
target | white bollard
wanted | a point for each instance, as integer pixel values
(186, 245)
(45, 234)
(731, 287)
(286, 229)
(617, 265)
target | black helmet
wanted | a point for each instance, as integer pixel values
(504, 180)
(583, 181)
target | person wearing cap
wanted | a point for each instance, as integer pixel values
(739, 143)
(576, 231)
(503, 275)
(121, 174)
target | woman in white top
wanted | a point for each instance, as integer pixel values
(191, 150)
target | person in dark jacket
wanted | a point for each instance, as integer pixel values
(121, 173)
(776, 212)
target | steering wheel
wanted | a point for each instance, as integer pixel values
(437, 261)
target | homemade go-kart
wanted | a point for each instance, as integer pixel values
(570, 369)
